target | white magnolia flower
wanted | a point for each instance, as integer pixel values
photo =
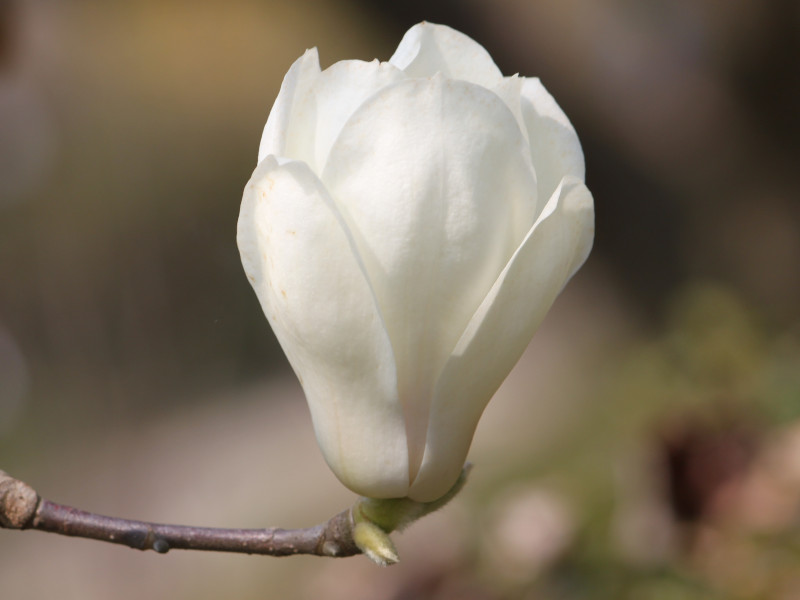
(407, 227)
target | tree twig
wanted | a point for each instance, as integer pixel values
(22, 508)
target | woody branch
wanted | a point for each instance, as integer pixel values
(22, 508)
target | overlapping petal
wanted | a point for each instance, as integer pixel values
(432, 178)
(313, 106)
(335, 96)
(555, 149)
(509, 89)
(300, 259)
(499, 331)
(427, 49)
(276, 139)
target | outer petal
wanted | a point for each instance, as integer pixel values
(300, 258)
(432, 178)
(427, 49)
(555, 149)
(500, 330)
(294, 88)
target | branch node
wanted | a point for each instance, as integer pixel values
(331, 549)
(18, 502)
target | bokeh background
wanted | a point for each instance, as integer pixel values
(646, 446)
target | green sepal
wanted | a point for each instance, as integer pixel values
(375, 518)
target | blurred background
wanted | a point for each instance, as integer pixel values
(646, 446)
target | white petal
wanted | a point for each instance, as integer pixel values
(427, 49)
(431, 177)
(322, 104)
(300, 258)
(294, 88)
(509, 89)
(335, 96)
(500, 330)
(555, 149)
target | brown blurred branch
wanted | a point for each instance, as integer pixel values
(22, 508)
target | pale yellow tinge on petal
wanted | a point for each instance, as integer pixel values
(299, 256)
